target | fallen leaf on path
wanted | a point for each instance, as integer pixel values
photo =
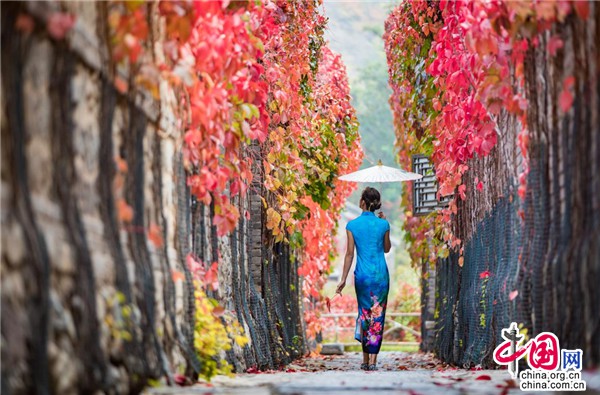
(181, 380)
(510, 383)
(453, 378)
(255, 370)
(483, 377)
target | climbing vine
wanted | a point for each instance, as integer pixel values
(454, 67)
(313, 138)
(251, 73)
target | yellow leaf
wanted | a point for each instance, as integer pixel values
(273, 219)
(271, 157)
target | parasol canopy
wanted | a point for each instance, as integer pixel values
(380, 173)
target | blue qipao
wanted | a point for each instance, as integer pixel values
(371, 279)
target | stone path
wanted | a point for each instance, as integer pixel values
(400, 373)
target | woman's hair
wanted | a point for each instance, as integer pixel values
(372, 199)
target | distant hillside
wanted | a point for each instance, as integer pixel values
(355, 30)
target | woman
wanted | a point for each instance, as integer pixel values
(371, 236)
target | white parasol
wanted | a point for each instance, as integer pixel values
(380, 173)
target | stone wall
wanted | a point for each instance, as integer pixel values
(89, 302)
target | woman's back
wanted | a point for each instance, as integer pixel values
(368, 231)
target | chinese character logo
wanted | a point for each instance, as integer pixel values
(543, 351)
(571, 360)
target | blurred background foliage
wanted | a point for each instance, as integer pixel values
(355, 30)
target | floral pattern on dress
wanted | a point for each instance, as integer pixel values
(372, 322)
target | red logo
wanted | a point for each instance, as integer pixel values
(543, 350)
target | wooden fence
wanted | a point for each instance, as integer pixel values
(389, 319)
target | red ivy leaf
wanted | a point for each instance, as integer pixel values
(124, 211)
(155, 235)
(565, 100)
(180, 379)
(218, 311)
(177, 275)
(582, 8)
(121, 164)
(522, 191)
(569, 82)
(462, 191)
(59, 24)
(212, 276)
(24, 23)
(554, 44)
(121, 85)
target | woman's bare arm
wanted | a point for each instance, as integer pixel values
(347, 262)
(387, 244)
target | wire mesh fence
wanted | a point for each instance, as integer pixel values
(532, 259)
(474, 302)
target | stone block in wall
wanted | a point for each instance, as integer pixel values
(83, 37)
(225, 292)
(63, 367)
(37, 107)
(13, 246)
(85, 89)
